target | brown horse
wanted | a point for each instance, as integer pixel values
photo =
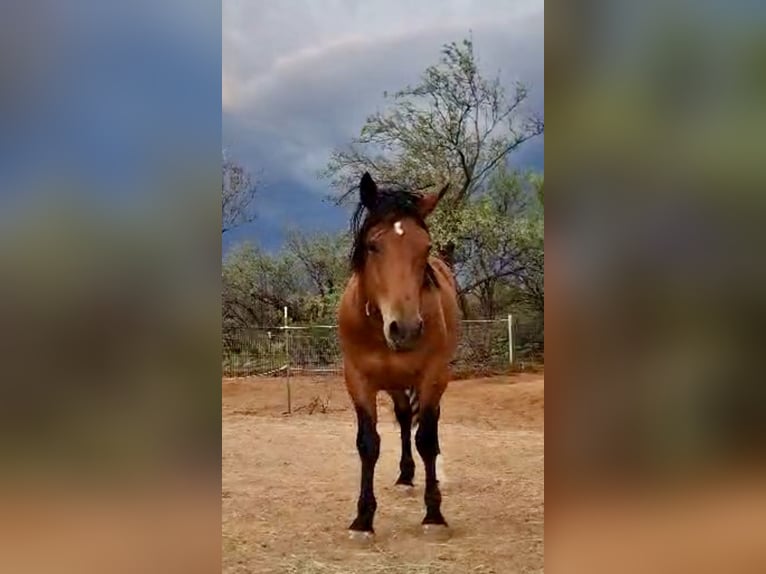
(398, 327)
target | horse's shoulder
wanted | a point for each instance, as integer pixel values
(348, 300)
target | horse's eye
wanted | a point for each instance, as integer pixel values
(372, 248)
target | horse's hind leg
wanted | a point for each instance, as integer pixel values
(403, 412)
(427, 441)
(368, 445)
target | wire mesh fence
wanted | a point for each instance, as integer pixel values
(486, 346)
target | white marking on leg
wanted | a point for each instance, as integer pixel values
(440, 476)
(359, 536)
(405, 489)
(398, 228)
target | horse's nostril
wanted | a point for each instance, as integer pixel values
(405, 333)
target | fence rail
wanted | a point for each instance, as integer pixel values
(486, 345)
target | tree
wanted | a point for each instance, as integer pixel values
(237, 195)
(323, 260)
(500, 240)
(454, 126)
(308, 276)
(256, 287)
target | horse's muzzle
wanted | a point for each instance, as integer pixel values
(403, 335)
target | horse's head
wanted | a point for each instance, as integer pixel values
(390, 255)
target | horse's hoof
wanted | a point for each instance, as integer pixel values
(436, 532)
(361, 536)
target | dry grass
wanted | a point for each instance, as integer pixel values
(290, 483)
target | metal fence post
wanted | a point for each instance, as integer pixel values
(510, 339)
(287, 365)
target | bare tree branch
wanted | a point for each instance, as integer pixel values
(237, 196)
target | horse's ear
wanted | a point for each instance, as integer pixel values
(368, 191)
(428, 203)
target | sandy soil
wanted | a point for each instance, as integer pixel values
(290, 482)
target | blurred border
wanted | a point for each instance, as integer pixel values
(655, 423)
(110, 151)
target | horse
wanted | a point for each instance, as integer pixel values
(398, 331)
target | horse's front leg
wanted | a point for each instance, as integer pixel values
(368, 445)
(403, 412)
(427, 442)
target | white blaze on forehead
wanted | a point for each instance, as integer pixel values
(398, 228)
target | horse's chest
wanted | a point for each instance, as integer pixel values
(393, 370)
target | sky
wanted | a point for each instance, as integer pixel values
(106, 95)
(299, 77)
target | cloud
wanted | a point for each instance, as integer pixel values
(300, 77)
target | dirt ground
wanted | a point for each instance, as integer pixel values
(290, 482)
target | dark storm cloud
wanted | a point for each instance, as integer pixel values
(299, 80)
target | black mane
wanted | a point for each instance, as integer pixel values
(390, 204)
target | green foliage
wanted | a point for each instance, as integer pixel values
(256, 287)
(322, 257)
(500, 245)
(308, 277)
(323, 265)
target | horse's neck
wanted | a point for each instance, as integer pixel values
(364, 305)
(442, 269)
(365, 316)
(357, 297)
